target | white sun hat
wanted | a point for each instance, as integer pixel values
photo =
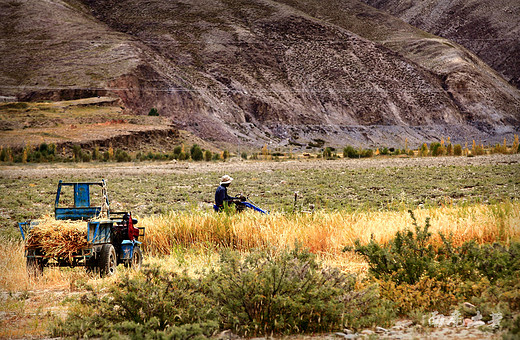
(226, 179)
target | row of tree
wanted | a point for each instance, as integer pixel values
(49, 153)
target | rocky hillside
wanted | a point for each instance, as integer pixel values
(489, 28)
(258, 71)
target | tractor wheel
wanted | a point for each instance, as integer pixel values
(137, 258)
(34, 267)
(107, 260)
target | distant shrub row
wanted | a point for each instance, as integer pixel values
(48, 153)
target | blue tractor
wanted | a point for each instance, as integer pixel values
(111, 236)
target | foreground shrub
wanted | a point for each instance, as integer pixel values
(406, 257)
(282, 294)
(261, 294)
(153, 304)
(410, 255)
(513, 330)
(368, 307)
(427, 294)
(472, 261)
(418, 277)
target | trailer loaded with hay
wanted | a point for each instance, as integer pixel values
(83, 232)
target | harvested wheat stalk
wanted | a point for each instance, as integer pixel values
(58, 238)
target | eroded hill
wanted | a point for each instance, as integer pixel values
(489, 28)
(254, 72)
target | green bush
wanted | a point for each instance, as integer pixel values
(513, 331)
(433, 148)
(76, 151)
(472, 261)
(122, 156)
(153, 112)
(207, 155)
(457, 150)
(367, 153)
(196, 153)
(243, 155)
(423, 150)
(449, 150)
(177, 150)
(4, 154)
(409, 256)
(406, 257)
(96, 155)
(262, 294)
(183, 156)
(416, 277)
(289, 293)
(43, 148)
(86, 157)
(327, 153)
(154, 305)
(368, 308)
(350, 152)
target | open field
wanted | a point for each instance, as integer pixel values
(474, 198)
(367, 184)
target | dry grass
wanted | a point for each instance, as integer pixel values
(28, 304)
(13, 275)
(322, 232)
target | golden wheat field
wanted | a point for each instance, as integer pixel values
(325, 233)
(199, 236)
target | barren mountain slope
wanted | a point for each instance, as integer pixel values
(258, 71)
(47, 46)
(489, 28)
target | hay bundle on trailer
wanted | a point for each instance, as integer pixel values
(58, 238)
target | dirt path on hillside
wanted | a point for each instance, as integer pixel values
(236, 165)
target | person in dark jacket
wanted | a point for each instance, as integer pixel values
(221, 195)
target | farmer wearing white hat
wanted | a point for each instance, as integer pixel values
(221, 195)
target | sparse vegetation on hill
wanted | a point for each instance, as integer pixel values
(285, 71)
(489, 28)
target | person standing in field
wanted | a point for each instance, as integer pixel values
(221, 194)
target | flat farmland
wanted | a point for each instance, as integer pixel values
(347, 185)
